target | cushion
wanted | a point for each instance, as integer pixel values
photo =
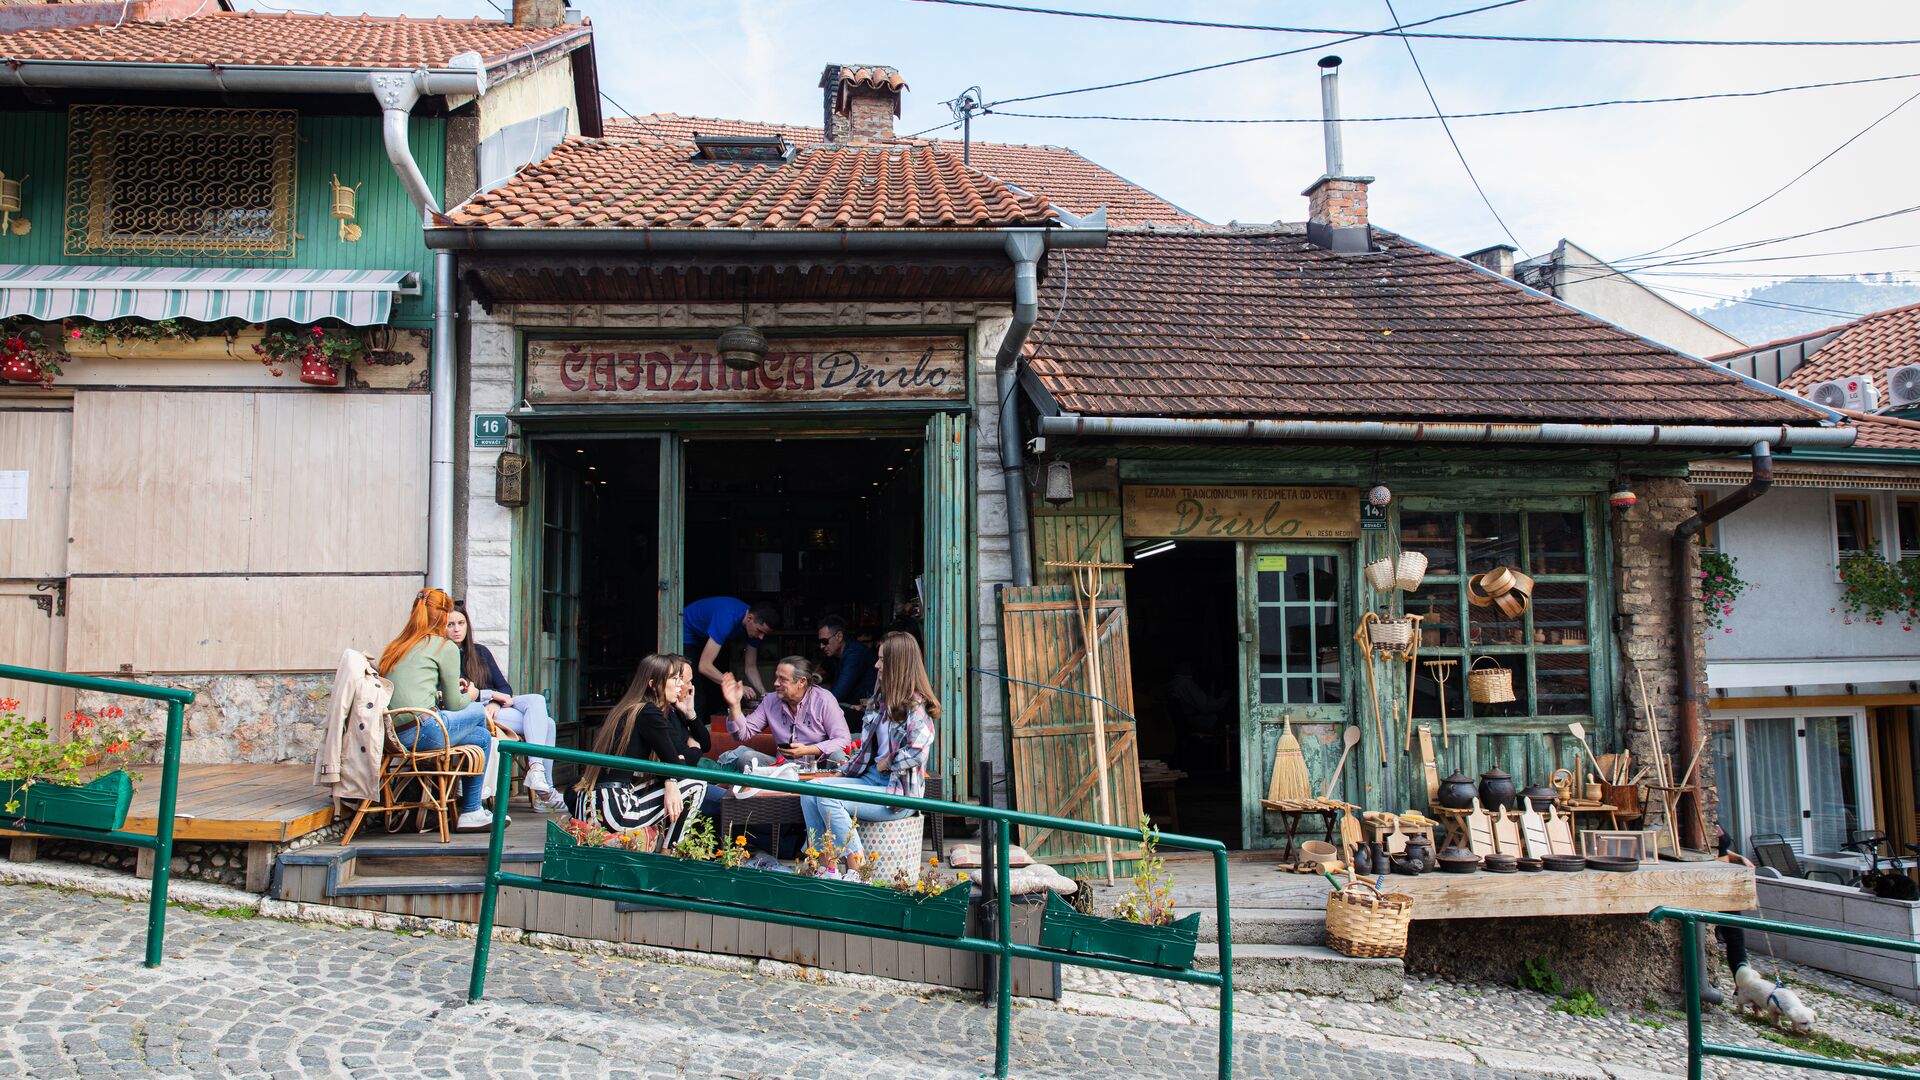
(965, 856)
(723, 742)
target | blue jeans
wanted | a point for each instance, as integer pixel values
(835, 817)
(465, 727)
(527, 717)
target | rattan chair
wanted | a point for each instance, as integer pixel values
(418, 780)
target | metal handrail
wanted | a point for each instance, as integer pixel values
(1002, 945)
(161, 842)
(1698, 1049)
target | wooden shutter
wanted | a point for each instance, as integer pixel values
(948, 593)
(1051, 733)
(33, 634)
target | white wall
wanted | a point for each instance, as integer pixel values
(1590, 285)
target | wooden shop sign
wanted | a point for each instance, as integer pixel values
(1241, 513)
(572, 371)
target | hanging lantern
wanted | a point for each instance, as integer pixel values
(510, 480)
(742, 347)
(10, 203)
(1623, 498)
(343, 200)
(1379, 495)
(1059, 489)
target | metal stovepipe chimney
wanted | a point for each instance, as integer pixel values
(1330, 114)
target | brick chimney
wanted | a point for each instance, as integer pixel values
(861, 102)
(539, 14)
(1498, 258)
(1336, 203)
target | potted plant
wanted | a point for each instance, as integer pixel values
(1720, 585)
(48, 780)
(698, 869)
(1142, 928)
(320, 351)
(28, 353)
(1871, 588)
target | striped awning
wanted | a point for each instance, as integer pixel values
(50, 293)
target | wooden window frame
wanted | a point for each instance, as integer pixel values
(1709, 533)
(1900, 548)
(1868, 521)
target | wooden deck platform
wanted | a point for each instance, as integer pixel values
(258, 805)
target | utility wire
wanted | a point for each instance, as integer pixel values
(1776, 191)
(1528, 111)
(1251, 59)
(1808, 255)
(1524, 38)
(1803, 309)
(1440, 115)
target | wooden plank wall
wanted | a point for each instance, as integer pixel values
(31, 636)
(37, 441)
(284, 527)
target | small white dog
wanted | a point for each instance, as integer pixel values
(1754, 991)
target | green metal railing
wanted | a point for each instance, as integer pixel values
(161, 842)
(1001, 945)
(1698, 1049)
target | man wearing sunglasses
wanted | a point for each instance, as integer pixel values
(852, 682)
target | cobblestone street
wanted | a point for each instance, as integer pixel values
(244, 996)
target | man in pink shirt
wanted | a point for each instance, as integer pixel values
(805, 718)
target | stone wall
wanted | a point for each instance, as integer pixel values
(1643, 591)
(251, 719)
(1622, 959)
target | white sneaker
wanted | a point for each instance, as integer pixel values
(474, 821)
(537, 781)
(548, 802)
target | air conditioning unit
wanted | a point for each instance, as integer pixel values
(1903, 385)
(1847, 392)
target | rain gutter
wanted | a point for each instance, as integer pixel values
(396, 91)
(1681, 435)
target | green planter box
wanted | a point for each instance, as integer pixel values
(101, 804)
(1065, 929)
(944, 914)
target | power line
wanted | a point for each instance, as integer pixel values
(1691, 256)
(1250, 59)
(1809, 255)
(1804, 309)
(1440, 114)
(1802, 175)
(1520, 38)
(1500, 112)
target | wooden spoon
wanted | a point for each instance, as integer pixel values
(1580, 732)
(1352, 738)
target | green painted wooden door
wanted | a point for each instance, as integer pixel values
(1296, 640)
(561, 577)
(672, 532)
(947, 593)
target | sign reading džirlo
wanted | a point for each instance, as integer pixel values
(1241, 513)
(585, 371)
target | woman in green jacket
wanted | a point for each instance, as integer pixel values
(424, 668)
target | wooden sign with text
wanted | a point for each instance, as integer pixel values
(585, 371)
(1241, 513)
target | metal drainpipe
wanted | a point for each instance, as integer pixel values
(397, 93)
(1685, 615)
(1025, 249)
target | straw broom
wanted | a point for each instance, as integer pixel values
(1290, 781)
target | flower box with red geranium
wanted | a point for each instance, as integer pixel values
(47, 780)
(319, 352)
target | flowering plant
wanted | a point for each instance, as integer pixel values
(1720, 585)
(121, 331)
(29, 754)
(1871, 588)
(1149, 900)
(28, 353)
(928, 882)
(332, 346)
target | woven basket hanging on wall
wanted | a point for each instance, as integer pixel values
(1490, 685)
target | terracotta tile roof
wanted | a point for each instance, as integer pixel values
(241, 39)
(1874, 435)
(1871, 345)
(644, 183)
(1067, 180)
(867, 76)
(1259, 323)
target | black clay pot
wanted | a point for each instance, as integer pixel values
(1362, 860)
(1420, 854)
(1497, 791)
(1457, 792)
(1539, 796)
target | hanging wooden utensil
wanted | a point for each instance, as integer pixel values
(1479, 830)
(1429, 766)
(1412, 657)
(1580, 732)
(1533, 832)
(1351, 738)
(1559, 832)
(1440, 671)
(1365, 640)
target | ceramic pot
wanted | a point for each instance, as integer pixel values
(1382, 865)
(1420, 854)
(1457, 792)
(1497, 791)
(1362, 860)
(1539, 796)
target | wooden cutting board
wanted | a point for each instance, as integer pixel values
(1533, 832)
(1427, 765)
(1479, 831)
(1559, 832)
(1506, 833)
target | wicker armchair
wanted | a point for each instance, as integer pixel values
(418, 780)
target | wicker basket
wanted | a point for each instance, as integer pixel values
(1363, 921)
(1489, 686)
(1380, 575)
(1410, 570)
(1390, 633)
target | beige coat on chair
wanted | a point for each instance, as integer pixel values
(354, 737)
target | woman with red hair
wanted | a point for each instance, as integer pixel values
(424, 668)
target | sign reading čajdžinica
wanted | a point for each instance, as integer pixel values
(689, 371)
(1240, 513)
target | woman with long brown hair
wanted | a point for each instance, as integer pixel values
(424, 668)
(524, 715)
(895, 743)
(648, 722)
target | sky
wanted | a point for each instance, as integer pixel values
(1618, 181)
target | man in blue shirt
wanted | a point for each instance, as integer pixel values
(853, 676)
(708, 626)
